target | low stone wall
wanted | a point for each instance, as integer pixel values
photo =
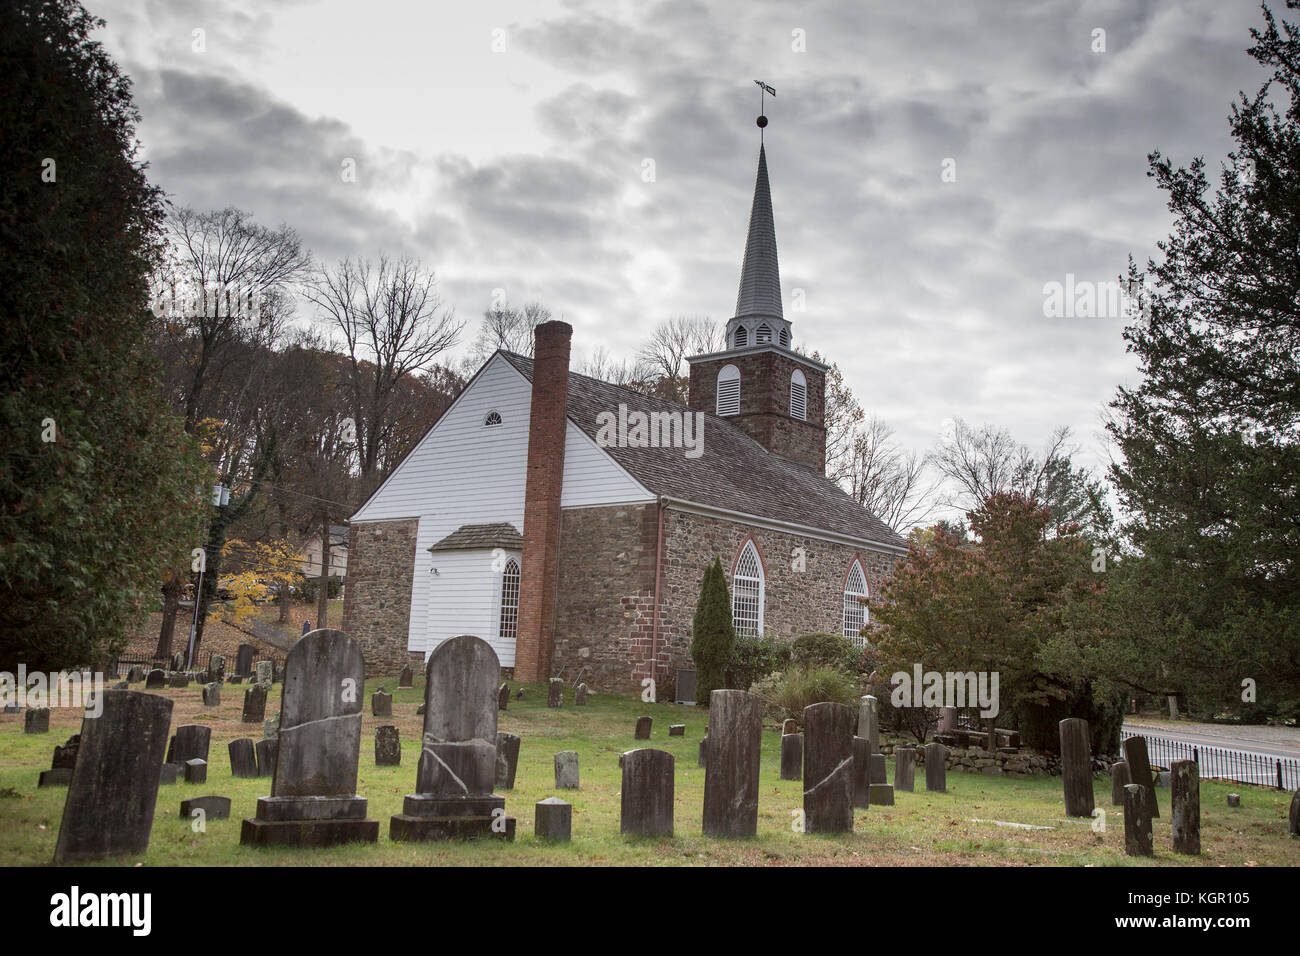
(1022, 763)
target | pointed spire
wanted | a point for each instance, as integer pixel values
(760, 278)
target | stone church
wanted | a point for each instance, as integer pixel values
(576, 549)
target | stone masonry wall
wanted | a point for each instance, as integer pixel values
(377, 596)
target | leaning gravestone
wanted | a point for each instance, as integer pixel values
(114, 788)
(212, 694)
(553, 820)
(731, 765)
(646, 807)
(792, 756)
(643, 725)
(861, 772)
(388, 746)
(828, 768)
(1137, 821)
(406, 678)
(1119, 779)
(381, 703)
(1139, 769)
(936, 768)
(905, 769)
(566, 770)
(1076, 767)
(244, 660)
(254, 704)
(555, 692)
(243, 758)
(507, 759)
(457, 771)
(1185, 812)
(580, 696)
(503, 697)
(314, 798)
(156, 678)
(37, 721)
(190, 741)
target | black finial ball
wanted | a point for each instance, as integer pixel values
(761, 121)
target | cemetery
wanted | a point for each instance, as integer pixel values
(454, 769)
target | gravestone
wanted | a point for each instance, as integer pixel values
(879, 770)
(171, 772)
(313, 799)
(1185, 807)
(1137, 821)
(1119, 779)
(828, 768)
(555, 692)
(271, 726)
(503, 697)
(114, 788)
(1076, 767)
(646, 807)
(381, 703)
(212, 695)
(189, 741)
(179, 680)
(406, 678)
(244, 660)
(507, 759)
(65, 754)
(869, 722)
(792, 756)
(861, 772)
(702, 759)
(196, 771)
(882, 794)
(947, 720)
(268, 749)
(905, 769)
(135, 674)
(643, 725)
(457, 771)
(213, 808)
(388, 746)
(731, 767)
(519, 694)
(234, 679)
(1173, 707)
(1162, 779)
(789, 726)
(936, 768)
(265, 672)
(676, 730)
(580, 696)
(36, 720)
(1234, 799)
(566, 770)
(243, 758)
(178, 661)
(254, 704)
(217, 668)
(1139, 769)
(157, 678)
(55, 777)
(1293, 816)
(553, 820)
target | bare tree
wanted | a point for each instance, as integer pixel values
(394, 325)
(632, 375)
(663, 356)
(842, 415)
(985, 461)
(510, 330)
(887, 480)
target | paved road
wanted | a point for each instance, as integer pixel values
(1262, 747)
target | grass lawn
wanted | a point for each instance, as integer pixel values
(921, 829)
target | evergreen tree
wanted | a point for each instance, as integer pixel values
(712, 635)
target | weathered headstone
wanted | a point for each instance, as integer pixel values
(406, 678)
(388, 746)
(244, 660)
(212, 807)
(268, 748)
(828, 768)
(55, 777)
(243, 757)
(212, 694)
(936, 768)
(555, 692)
(1185, 807)
(881, 795)
(1293, 815)
(879, 770)
(580, 696)
(503, 697)
(507, 759)
(36, 720)
(114, 788)
(65, 754)
(1139, 769)
(156, 678)
(646, 807)
(196, 771)
(1162, 779)
(190, 741)
(457, 771)
(254, 704)
(1119, 779)
(178, 661)
(1173, 707)
(869, 722)
(566, 770)
(731, 766)
(171, 773)
(314, 799)
(703, 758)
(947, 720)
(1076, 767)
(1137, 821)
(135, 674)
(789, 726)
(643, 725)
(217, 668)
(905, 769)
(381, 703)
(792, 756)
(271, 726)
(179, 680)
(1234, 799)
(553, 820)
(676, 730)
(861, 772)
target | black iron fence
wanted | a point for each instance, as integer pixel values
(1221, 763)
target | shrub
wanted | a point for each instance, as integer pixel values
(311, 587)
(786, 694)
(826, 650)
(753, 659)
(712, 635)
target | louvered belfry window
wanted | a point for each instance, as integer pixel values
(764, 335)
(747, 594)
(729, 391)
(798, 396)
(855, 611)
(741, 337)
(509, 628)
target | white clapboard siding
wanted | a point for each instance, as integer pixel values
(463, 472)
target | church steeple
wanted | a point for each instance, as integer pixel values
(759, 319)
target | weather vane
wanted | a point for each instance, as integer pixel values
(764, 89)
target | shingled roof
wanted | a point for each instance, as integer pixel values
(476, 537)
(734, 472)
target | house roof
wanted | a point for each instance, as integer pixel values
(734, 473)
(481, 537)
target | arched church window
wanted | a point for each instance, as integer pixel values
(764, 334)
(747, 593)
(855, 608)
(729, 391)
(798, 395)
(508, 629)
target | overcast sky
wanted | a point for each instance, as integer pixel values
(505, 145)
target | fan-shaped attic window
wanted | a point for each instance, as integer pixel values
(493, 418)
(729, 391)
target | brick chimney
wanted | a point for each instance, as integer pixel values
(537, 574)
